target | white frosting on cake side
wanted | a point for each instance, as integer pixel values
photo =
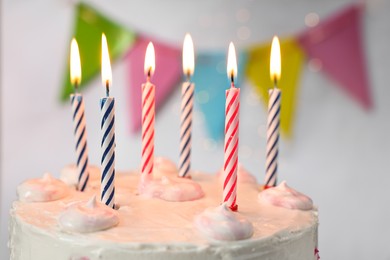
(152, 228)
(42, 189)
(221, 223)
(286, 197)
(88, 216)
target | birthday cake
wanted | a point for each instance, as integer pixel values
(170, 218)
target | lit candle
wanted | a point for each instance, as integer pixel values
(107, 106)
(231, 134)
(148, 90)
(80, 132)
(273, 117)
(187, 97)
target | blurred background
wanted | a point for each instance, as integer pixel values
(336, 127)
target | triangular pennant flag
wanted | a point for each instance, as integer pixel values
(211, 82)
(89, 26)
(337, 44)
(259, 73)
(166, 75)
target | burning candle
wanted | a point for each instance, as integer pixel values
(80, 132)
(231, 133)
(107, 106)
(273, 121)
(187, 96)
(148, 90)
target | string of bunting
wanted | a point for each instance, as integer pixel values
(335, 43)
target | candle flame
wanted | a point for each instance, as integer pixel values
(188, 55)
(75, 65)
(275, 62)
(232, 62)
(106, 64)
(150, 63)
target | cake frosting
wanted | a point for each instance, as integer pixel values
(286, 197)
(70, 174)
(152, 228)
(221, 223)
(42, 189)
(88, 216)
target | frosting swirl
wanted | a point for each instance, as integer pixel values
(163, 166)
(42, 189)
(70, 174)
(171, 189)
(221, 223)
(286, 197)
(243, 176)
(88, 217)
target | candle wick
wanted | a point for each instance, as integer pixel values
(232, 80)
(107, 88)
(188, 75)
(149, 73)
(76, 86)
(275, 82)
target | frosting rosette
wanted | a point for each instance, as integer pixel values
(70, 174)
(42, 189)
(85, 217)
(286, 197)
(221, 223)
(243, 176)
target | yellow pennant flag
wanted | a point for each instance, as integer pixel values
(257, 71)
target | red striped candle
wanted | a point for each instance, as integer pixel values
(232, 109)
(148, 113)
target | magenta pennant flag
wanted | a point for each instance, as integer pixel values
(337, 44)
(166, 75)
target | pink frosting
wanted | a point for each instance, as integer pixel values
(91, 216)
(171, 188)
(42, 189)
(286, 197)
(221, 223)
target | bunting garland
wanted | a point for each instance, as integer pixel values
(336, 43)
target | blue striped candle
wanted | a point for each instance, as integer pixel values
(187, 93)
(107, 106)
(272, 137)
(80, 134)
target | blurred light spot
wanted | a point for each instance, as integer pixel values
(252, 99)
(220, 20)
(261, 131)
(312, 19)
(315, 65)
(205, 20)
(221, 67)
(203, 97)
(209, 144)
(243, 33)
(199, 118)
(243, 15)
(245, 151)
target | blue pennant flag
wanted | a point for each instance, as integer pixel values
(211, 82)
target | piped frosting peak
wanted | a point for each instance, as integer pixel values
(286, 197)
(42, 189)
(85, 217)
(221, 223)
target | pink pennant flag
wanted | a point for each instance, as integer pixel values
(166, 76)
(337, 44)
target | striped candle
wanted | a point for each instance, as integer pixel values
(107, 107)
(148, 90)
(80, 134)
(187, 94)
(272, 137)
(232, 109)
(273, 120)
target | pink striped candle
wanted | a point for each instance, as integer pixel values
(148, 113)
(231, 134)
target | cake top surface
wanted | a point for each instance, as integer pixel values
(144, 220)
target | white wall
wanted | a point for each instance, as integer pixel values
(339, 152)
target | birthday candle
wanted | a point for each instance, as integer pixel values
(187, 96)
(273, 121)
(148, 113)
(80, 132)
(231, 134)
(107, 106)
